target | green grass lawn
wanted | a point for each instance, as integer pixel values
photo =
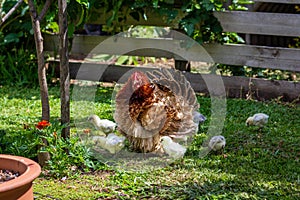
(256, 165)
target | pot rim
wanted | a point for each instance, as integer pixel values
(32, 171)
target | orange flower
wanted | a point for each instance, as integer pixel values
(42, 124)
(86, 131)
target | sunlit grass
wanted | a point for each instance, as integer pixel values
(256, 165)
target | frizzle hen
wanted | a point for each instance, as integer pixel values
(158, 104)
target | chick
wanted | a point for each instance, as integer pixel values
(173, 149)
(217, 143)
(198, 118)
(111, 142)
(104, 125)
(114, 143)
(259, 119)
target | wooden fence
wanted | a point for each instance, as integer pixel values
(244, 22)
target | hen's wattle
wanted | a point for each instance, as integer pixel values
(149, 107)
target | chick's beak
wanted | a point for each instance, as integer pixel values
(89, 119)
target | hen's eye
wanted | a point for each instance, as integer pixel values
(147, 89)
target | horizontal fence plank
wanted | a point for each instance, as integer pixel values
(238, 87)
(256, 56)
(260, 23)
(235, 87)
(150, 47)
(237, 54)
(279, 1)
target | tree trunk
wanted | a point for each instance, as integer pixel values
(41, 61)
(42, 75)
(64, 67)
(43, 157)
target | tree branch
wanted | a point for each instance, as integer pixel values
(11, 11)
(43, 12)
(32, 9)
(45, 9)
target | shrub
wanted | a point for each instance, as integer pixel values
(67, 156)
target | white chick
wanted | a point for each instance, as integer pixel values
(104, 125)
(173, 149)
(217, 143)
(259, 119)
(198, 118)
(112, 142)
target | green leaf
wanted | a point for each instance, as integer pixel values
(121, 60)
(13, 37)
(24, 10)
(208, 5)
(197, 6)
(189, 28)
(155, 3)
(245, 2)
(85, 3)
(53, 26)
(71, 29)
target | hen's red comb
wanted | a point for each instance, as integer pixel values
(139, 79)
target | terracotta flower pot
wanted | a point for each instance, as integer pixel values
(21, 187)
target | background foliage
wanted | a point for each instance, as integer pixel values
(195, 18)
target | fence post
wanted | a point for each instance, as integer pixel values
(183, 65)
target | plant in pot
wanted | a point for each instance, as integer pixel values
(17, 172)
(21, 186)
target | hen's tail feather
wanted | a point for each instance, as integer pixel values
(177, 83)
